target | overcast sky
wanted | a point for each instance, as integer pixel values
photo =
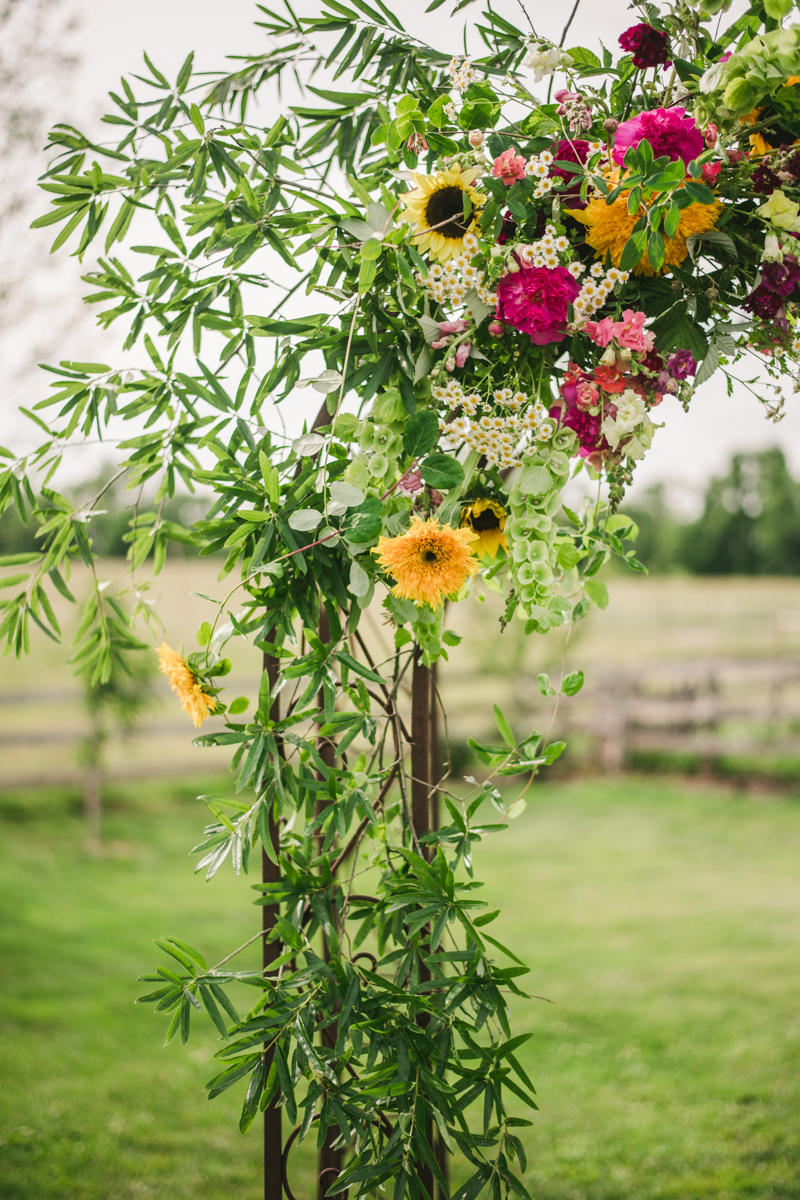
(112, 35)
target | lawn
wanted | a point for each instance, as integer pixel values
(662, 923)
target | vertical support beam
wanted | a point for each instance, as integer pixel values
(420, 816)
(273, 1134)
(329, 1163)
(436, 773)
(420, 750)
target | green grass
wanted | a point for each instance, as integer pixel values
(664, 924)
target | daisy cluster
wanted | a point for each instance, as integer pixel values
(500, 438)
(462, 73)
(452, 280)
(595, 290)
(538, 167)
(545, 252)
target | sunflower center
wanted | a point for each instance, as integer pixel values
(485, 520)
(430, 556)
(447, 204)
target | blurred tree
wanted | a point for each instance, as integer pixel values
(750, 523)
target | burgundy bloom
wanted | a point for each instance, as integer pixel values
(764, 180)
(653, 361)
(576, 151)
(682, 364)
(668, 130)
(764, 303)
(780, 277)
(536, 300)
(649, 47)
(508, 230)
(586, 427)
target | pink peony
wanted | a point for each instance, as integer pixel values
(509, 166)
(601, 332)
(630, 333)
(536, 300)
(668, 130)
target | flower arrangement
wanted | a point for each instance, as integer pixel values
(491, 291)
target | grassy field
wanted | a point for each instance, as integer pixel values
(664, 924)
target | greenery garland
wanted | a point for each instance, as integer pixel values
(510, 285)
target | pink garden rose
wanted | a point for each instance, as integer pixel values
(668, 130)
(536, 300)
(630, 332)
(601, 332)
(509, 166)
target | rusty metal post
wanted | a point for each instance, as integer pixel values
(420, 813)
(270, 873)
(329, 1163)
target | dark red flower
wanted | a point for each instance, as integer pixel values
(649, 47)
(780, 277)
(764, 303)
(576, 151)
(508, 230)
(586, 427)
(764, 180)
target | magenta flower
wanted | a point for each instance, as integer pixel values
(649, 47)
(668, 130)
(682, 364)
(509, 166)
(536, 300)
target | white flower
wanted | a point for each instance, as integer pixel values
(630, 411)
(542, 60)
(772, 249)
(576, 269)
(596, 270)
(610, 432)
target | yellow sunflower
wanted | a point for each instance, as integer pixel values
(487, 518)
(782, 137)
(185, 685)
(608, 227)
(429, 562)
(436, 207)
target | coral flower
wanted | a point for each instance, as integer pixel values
(436, 207)
(487, 518)
(429, 562)
(509, 166)
(608, 227)
(185, 685)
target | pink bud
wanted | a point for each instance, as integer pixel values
(496, 329)
(610, 124)
(711, 133)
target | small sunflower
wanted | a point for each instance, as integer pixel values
(185, 685)
(487, 518)
(608, 227)
(436, 207)
(429, 562)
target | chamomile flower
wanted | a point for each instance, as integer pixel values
(562, 244)
(596, 269)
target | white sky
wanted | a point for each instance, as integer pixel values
(111, 38)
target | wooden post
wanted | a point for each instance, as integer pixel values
(270, 873)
